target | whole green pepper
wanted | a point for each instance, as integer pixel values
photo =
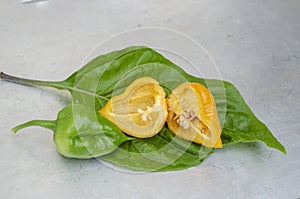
(81, 133)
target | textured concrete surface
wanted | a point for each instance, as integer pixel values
(256, 45)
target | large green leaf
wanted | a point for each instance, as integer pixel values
(239, 122)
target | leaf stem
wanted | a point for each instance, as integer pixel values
(48, 124)
(61, 85)
(30, 82)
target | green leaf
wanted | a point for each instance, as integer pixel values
(239, 123)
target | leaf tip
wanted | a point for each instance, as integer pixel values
(283, 150)
(280, 148)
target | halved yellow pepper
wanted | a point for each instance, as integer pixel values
(193, 115)
(141, 110)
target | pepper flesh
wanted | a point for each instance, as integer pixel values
(141, 110)
(193, 115)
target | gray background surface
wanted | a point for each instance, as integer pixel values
(256, 45)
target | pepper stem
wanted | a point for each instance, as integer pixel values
(48, 124)
(31, 82)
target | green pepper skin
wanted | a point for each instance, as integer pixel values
(81, 133)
